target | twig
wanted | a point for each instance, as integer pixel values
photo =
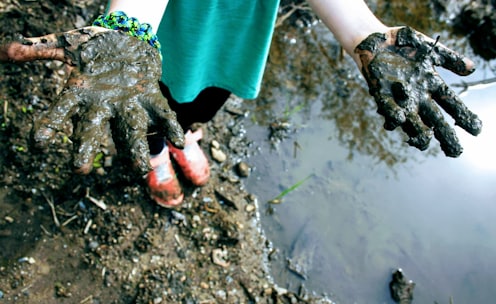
(26, 288)
(69, 220)
(5, 110)
(87, 299)
(178, 241)
(98, 203)
(88, 226)
(296, 147)
(45, 230)
(294, 8)
(466, 85)
(52, 208)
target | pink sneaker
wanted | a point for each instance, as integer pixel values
(162, 181)
(192, 159)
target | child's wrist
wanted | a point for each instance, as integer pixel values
(118, 20)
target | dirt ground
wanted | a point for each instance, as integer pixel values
(66, 238)
(99, 238)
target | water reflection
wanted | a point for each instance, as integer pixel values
(480, 151)
(373, 203)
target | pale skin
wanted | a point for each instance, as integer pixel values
(350, 22)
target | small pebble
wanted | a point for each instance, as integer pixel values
(219, 257)
(93, 245)
(29, 260)
(250, 208)
(218, 155)
(215, 144)
(157, 300)
(107, 162)
(221, 294)
(100, 171)
(243, 169)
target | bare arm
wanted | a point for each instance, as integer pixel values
(350, 21)
(399, 66)
(150, 12)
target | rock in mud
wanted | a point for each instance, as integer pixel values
(400, 288)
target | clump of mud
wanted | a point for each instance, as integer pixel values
(478, 20)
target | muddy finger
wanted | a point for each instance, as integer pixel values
(57, 117)
(27, 50)
(22, 49)
(139, 151)
(132, 124)
(443, 132)
(166, 122)
(453, 105)
(52, 46)
(419, 134)
(90, 133)
(453, 61)
(393, 114)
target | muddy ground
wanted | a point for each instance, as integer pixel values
(66, 238)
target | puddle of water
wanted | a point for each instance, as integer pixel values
(434, 218)
(373, 204)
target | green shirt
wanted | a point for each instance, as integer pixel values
(221, 43)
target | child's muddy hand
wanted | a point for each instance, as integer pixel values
(114, 80)
(399, 69)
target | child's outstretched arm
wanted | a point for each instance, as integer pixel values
(399, 66)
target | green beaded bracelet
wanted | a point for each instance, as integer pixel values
(120, 21)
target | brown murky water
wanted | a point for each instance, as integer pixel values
(372, 203)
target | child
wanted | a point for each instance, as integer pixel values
(211, 49)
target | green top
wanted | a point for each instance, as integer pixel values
(221, 43)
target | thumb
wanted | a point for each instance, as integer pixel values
(28, 49)
(56, 46)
